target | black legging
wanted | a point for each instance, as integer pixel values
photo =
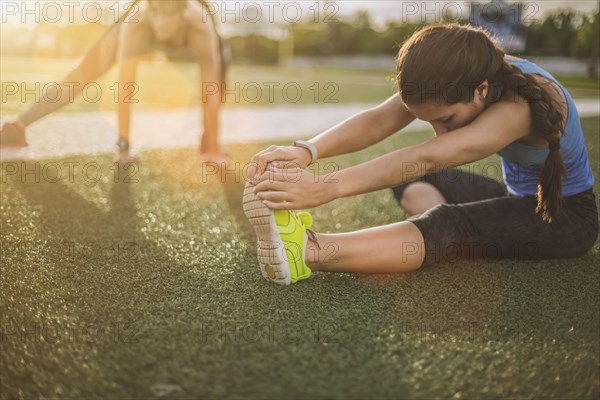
(481, 221)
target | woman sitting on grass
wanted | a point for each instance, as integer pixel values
(479, 101)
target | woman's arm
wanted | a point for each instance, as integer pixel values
(364, 129)
(205, 44)
(127, 88)
(133, 41)
(356, 133)
(494, 129)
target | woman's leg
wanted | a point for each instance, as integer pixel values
(99, 59)
(95, 63)
(419, 197)
(497, 228)
(399, 247)
(385, 249)
(508, 228)
(452, 186)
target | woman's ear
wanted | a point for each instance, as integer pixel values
(481, 91)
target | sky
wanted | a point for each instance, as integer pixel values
(383, 10)
(386, 10)
(230, 11)
(390, 7)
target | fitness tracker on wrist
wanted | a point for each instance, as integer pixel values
(308, 146)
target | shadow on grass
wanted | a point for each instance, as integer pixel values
(93, 276)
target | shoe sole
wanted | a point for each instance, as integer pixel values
(270, 248)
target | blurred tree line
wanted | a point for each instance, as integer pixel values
(355, 35)
(564, 33)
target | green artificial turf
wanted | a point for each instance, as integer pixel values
(144, 284)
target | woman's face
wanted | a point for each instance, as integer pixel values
(448, 117)
(165, 17)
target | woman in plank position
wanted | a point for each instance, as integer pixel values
(152, 25)
(479, 101)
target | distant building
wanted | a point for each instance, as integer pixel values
(503, 20)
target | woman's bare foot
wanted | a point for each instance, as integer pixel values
(125, 157)
(12, 134)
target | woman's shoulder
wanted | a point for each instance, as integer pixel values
(197, 16)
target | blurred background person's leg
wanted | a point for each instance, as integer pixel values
(99, 59)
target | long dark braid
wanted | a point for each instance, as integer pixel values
(548, 122)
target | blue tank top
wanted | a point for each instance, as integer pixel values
(522, 164)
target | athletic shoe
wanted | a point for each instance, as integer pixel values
(12, 135)
(281, 239)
